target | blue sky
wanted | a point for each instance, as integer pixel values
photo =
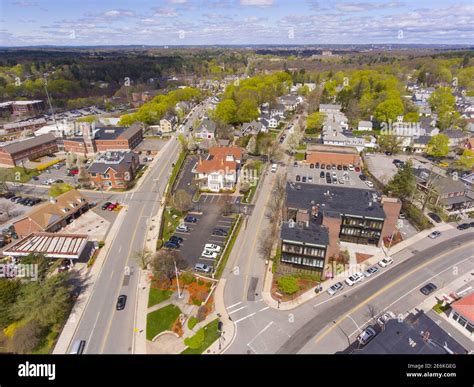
(170, 22)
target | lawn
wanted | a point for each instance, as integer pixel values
(211, 334)
(175, 171)
(157, 295)
(161, 320)
(17, 174)
(299, 156)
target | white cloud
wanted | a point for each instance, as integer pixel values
(360, 7)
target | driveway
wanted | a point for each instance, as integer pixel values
(186, 176)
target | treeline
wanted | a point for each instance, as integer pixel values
(241, 99)
(151, 112)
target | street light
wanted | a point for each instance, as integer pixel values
(177, 279)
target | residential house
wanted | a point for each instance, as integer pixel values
(456, 137)
(420, 144)
(446, 192)
(53, 215)
(206, 130)
(252, 128)
(365, 125)
(290, 102)
(423, 94)
(278, 110)
(167, 123)
(219, 171)
(329, 108)
(115, 169)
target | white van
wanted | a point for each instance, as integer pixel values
(274, 168)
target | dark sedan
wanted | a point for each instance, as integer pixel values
(121, 301)
(428, 289)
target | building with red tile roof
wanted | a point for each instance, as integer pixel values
(462, 311)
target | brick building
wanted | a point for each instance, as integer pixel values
(13, 154)
(114, 169)
(317, 217)
(338, 155)
(22, 108)
(53, 215)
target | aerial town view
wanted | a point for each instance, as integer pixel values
(241, 177)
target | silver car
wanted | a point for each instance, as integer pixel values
(335, 288)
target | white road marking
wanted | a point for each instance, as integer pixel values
(243, 307)
(261, 310)
(120, 248)
(231, 306)
(246, 317)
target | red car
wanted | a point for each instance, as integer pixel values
(357, 169)
(111, 206)
(74, 171)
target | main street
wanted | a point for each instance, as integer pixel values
(105, 329)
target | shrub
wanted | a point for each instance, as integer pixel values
(101, 244)
(187, 278)
(288, 284)
(195, 341)
(192, 322)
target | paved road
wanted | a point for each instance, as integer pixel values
(105, 329)
(264, 330)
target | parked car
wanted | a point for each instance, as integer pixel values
(368, 334)
(176, 239)
(341, 180)
(171, 245)
(219, 232)
(386, 316)
(212, 247)
(190, 219)
(335, 288)
(121, 301)
(209, 254)
(385, 262)
(371, 270)
(310, 179)
(112, 206)
(354, 278)
(182, 228)
(339, 167)
(274, 168)
(316, 165)
(435, 217)
(298, 178)
(303, 179)
(321, 175)
(434, 235)
(323, 166)
(35, 178)
(105, 205)
(350, 167)
(369, 184)
(362, 177)
(311, 166)
(357, 169)
(464, 226)
(428, 288)
(202, 268)
(59, 181)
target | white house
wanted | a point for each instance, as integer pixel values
(423, 94)
(329, 108)
(207, 130)
(219, 172)
(365, 125)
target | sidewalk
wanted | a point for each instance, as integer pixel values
(311, 294)
(228, 327)
(90, 274)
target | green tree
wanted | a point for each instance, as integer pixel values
(226, 111)
(315, 122)
(247, 111)
(388, 110)
(403, 184)
(411, 117)
(389, 143)
(466, 161)
(9, 290)
(288, 284)
(438, 146)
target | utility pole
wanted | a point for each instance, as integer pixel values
(177, 278)
(49, 100)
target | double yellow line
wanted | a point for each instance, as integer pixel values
(384, 289)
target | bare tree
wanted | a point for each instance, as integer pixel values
(142, 257)
(8, 209)
(266, 242)
(227, 206)
(372, 312)
(163, 264)
(182, 200)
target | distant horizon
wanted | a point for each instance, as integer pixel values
(33, 23)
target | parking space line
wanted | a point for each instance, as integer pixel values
(246, 317)
(207, 259)
(237, 303)
(236, 310)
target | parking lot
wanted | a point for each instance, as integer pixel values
(313, 175)
(55, 173)
(11, 210)
(383, 168)
(201, 233)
